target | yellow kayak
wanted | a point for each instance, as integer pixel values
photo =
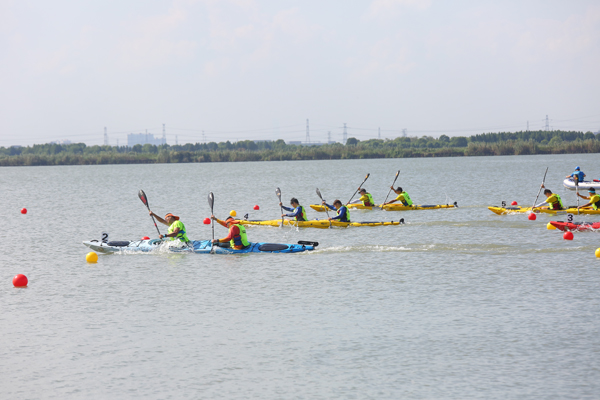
(319, 223)
(389, 207)
(519, 209)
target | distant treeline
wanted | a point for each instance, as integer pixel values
(485, 144)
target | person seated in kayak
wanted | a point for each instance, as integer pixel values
(553, 201)
(402, 197)
(577, 176)
(366, 198)
(237, 237)
(298, 212)
(343, 215)
(176, 227)
(593, 198)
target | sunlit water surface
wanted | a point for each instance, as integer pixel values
(458, 303)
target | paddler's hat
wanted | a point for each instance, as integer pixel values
(592, 190)
(576, 168)
(171, 215)
(229, 219)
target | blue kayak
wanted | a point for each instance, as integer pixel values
(195, 246)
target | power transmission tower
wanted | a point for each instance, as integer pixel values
(378, 133)
(404, 132)
(105, 137)
(344, 135)
(164, 138)
(176, 142)
(527, 126)
(307, 140)
(203, 138)
(328, 137)
(547, 123)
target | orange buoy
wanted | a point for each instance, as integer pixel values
(206, 221)
(514, 203)
(91, 257)
(20, 280)
(532, 217)
(145, 238)
(256, 207)
(598, 252)
(568, 235)
(23, 210)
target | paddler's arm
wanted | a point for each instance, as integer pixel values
(585, 205)
(582, 196)
(218, 221)
(390, 202)
(233, 231)
(159, 219)
(327, 205)
(340, 215)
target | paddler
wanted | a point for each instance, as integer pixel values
(366, 198)
(176, 227)
(593, 198)
(297, 211)
(343, 215)
(402, 197)
(237, 237)
(553, 201)
(577, 176)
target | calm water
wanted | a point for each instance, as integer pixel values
(455, 304)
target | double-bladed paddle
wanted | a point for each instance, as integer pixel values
(539, 191)
(278, 193)
(390, 191)
(144, 200)
(363, 182)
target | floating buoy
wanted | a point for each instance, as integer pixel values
(20, 280)
(514, 203)
(23, 210)
(206, 221)
(550, 227)
(568, 235)
(532, 217)
(256, 207)
(598, 252)
(91, 257)
(145, 238)
(232, 213)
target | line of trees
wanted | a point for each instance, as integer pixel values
(485, 144)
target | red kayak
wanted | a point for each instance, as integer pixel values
(575, 226)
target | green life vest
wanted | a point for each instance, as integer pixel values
(370, 200)
(347, 214)
(241, 240)
(557, 205)
(303, 215)
(595, 204)
(181, 235)
(406, 201)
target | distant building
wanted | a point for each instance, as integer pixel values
(300, 143)
(67, 141)
(143, 138)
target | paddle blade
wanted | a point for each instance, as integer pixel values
(319, 194)
(278, 193)
(143, 197)
(211, 200)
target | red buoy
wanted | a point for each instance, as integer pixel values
(532, 217)
(206, 221)
(514, 203)
(256, 207)
(145, 238)
(23, 210)
(568, 235)
(20, 280)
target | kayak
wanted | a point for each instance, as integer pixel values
(195, 246)
(318, 223)
(576, 226)
(519, 209)
(569, 183)
(389, 207)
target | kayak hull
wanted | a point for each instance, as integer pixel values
(195, 246)
(570, 184)
(518, 209)
(575, 226)
(389, 207)
(319, 223)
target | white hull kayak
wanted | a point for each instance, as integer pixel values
(570, 184)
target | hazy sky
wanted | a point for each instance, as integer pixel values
(246, 69)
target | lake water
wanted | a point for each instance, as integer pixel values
(456, 304)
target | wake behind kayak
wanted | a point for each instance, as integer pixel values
(195, 246)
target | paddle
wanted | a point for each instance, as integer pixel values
(326, 208)
(211, 203)
(278, 193)
(390, 191)
(576, 180)
(144, 200)
(539, 191)
(363, 182)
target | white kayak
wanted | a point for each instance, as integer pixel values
(570, 184)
